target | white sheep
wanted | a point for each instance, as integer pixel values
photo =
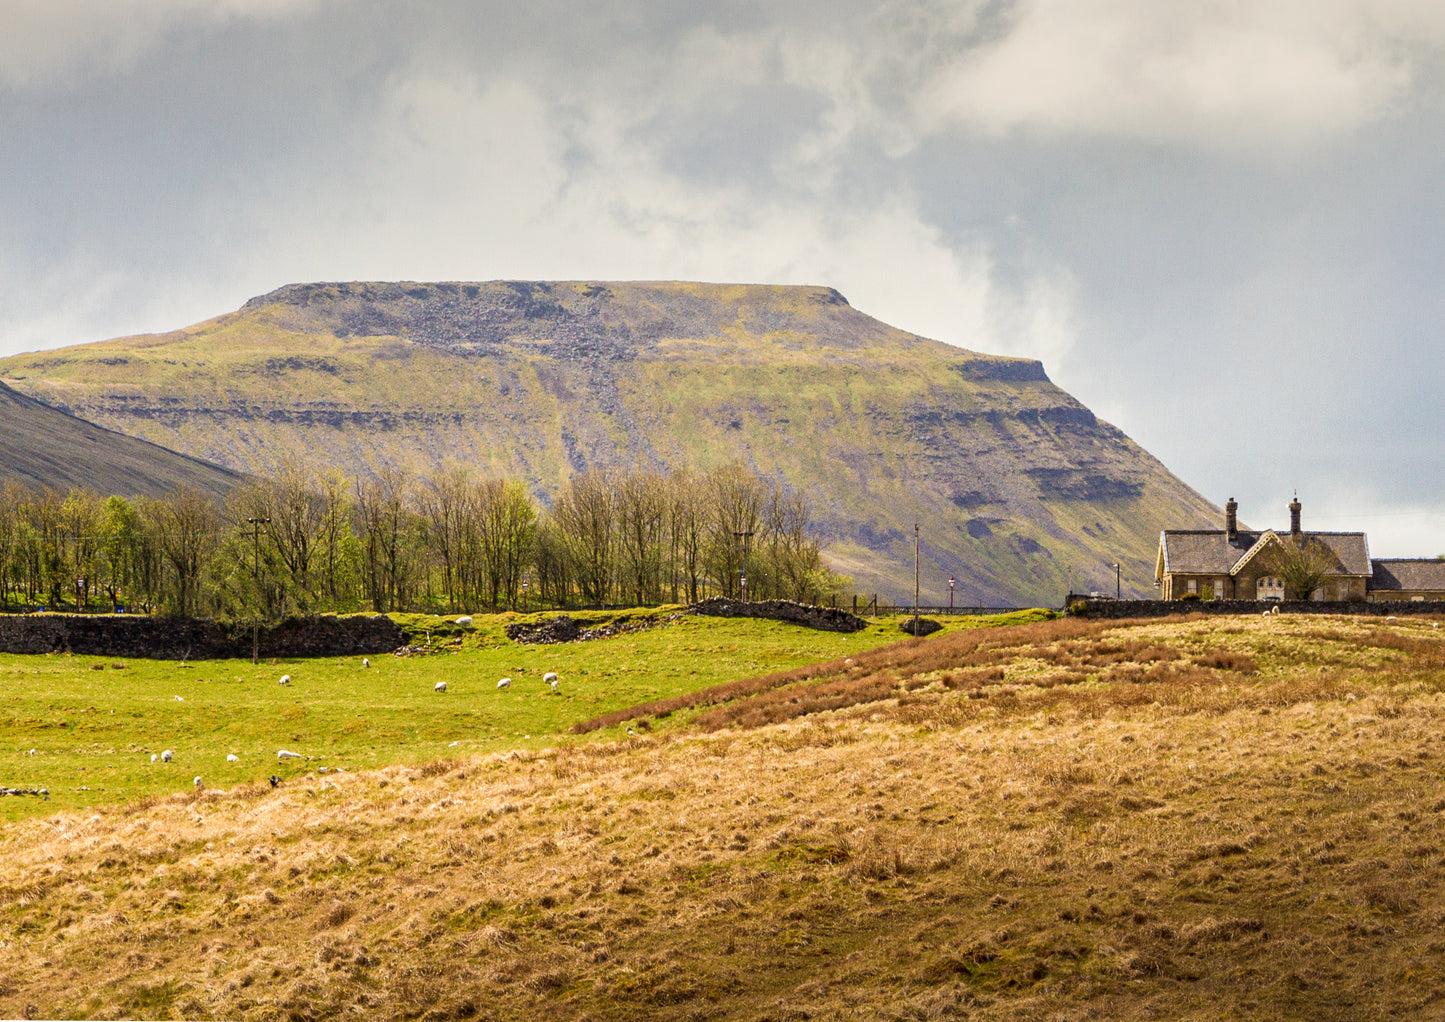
(285, 680)
(231, 757)
(287, 754)
(550, 678)
(154, 757)
(505, 683)
(553, 683)
(197, 781)
(440, 686)
(166, 756)
(1274, 609)
(464, 621)
(365, 661)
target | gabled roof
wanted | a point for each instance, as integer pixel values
(1209, 552)
(1407, 574)
(1202, 552)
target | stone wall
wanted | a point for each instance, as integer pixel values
(127, 635)
(1084, 606)
(824, 619)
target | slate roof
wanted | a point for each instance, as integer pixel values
(1208, 552)
(1407, 574)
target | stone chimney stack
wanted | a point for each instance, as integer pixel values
(1231, 521)
(1294, 507)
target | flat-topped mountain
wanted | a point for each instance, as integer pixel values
(1019, 490)
(43, 446)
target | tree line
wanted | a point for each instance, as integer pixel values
(290, 542)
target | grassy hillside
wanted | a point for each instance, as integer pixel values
(1020, 491)
(1198, 818)
(42, 446)
(85, 727)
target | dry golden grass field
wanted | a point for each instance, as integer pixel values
(1203, 818)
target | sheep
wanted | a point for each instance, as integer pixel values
(32, 752)
(285, 680)
(550, 678)
(197, 781)
(287, 754)
(365, 661)
(154, 757)
(553, 683)
(231, 757)
(1274, 609)
(274, 780)
(166, 756)
(464, 621)
(440, 686)
(505, 683)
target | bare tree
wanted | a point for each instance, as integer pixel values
(1303, 563)
(642, 506)
(185, 527)
(585, 516)
(384, 523)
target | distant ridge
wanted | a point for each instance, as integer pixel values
(1019, 491)
(41, 446)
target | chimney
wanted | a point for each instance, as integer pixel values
(1294, 507)
(1231, 521)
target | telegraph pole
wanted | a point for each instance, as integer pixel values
(743, 574)
(255, 534)
(951, 583)
(1116, 582)
(915, 580)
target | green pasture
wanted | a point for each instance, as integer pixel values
(93, 723)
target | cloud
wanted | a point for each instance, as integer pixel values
(1271, 74)
(46, 41)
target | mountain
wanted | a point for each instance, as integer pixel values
(43, 446)
(1018, 489)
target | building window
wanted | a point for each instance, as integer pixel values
(1193, 586)
(1269, 588)
(1219, 589)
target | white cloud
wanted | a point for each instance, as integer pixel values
(1270, 73)
(43, 41)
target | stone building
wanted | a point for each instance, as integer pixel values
(1239, 564)
(1408, 579)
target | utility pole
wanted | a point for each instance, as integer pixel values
(951, 583)
(915, 580)
(743, 574)
(1116, 582)
(255, 535)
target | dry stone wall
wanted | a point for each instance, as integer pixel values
(824, 619)
(185, 638)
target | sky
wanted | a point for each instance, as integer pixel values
(1219, 224)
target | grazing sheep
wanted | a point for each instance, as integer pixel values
(166, 755)
(180, 699)
(553, 683)
(1274, 609)
(465, 622)
(550, 678)
(365, 661)
(440, 686)
(32, 752)
(1390, 618)
(288, 754)
(197, 781)
(274, 780)
(231, 757)
(505, 683)
(154, 757)
(285, 680)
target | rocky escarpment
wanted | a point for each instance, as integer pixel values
(1019, 491)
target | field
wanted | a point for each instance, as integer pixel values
(95, 722)
(1191, 819)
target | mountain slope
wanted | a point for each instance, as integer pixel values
(42, 446)
(1019, 490)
